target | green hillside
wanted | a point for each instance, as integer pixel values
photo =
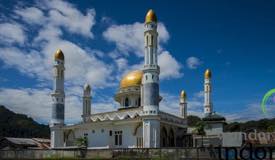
(19, 125)
(265, 125)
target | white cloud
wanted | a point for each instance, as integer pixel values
(193, 62)
(81, 64)
(12, 33)
(252, 111)
(199, 95)
(37, 104)
(32, 102)
(31, 64)
(60, 14)
(169, 66)
(170, 104)
(31, 15)
(130, 38)
(122, 63)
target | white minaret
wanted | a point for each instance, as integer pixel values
(208, 108)
(86, 102)
(58, 98)
(150, 83)
(183, 105)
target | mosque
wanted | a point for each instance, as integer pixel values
(138, 122)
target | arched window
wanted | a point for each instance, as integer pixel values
(126, 102)
(164, 137)
(171, 138)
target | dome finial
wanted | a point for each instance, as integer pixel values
(182, 94)
(87, 87)
(207, 74)
(59, 55)
(150, 16)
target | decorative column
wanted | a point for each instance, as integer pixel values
(183, 104)
(58, 98)
(150, 84)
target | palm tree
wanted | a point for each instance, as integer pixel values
(199, 130)
(82, 141)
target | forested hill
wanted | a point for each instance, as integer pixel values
(265, 125)
(20, 125)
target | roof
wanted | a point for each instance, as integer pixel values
(130, 113)
(37, 143)
(21, 141)
(213, 117)
(42, 140)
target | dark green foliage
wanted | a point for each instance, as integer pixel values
(264, 125)
(19, 125)
(82, 142)
(199, 128)
(193, 120)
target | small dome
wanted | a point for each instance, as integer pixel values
(59, 55)
(87, 87)
(150, 16)
(131, 79)
(182, 94)
(207, 74)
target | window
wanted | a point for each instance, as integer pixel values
(126, 102)
(118, 138)
(110, 132)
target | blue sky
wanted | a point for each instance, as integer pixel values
(102, 40)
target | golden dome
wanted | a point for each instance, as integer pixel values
(87, 87)
(59, 55)
(207, 74)
(150, 16)
(131, 79)
(182, 94)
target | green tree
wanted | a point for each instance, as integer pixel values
(199, 130)
(82, 141)
(193, 120)
(271, 128)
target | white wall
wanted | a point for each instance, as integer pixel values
(214, 129)
(232, 139)
(101, 138)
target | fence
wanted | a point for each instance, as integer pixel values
(128, 153)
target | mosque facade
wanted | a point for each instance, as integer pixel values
(138, 122)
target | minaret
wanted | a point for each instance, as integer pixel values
(58, 98)
(86, 102)
(183, 105)
(207, 93)
(150, 83)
